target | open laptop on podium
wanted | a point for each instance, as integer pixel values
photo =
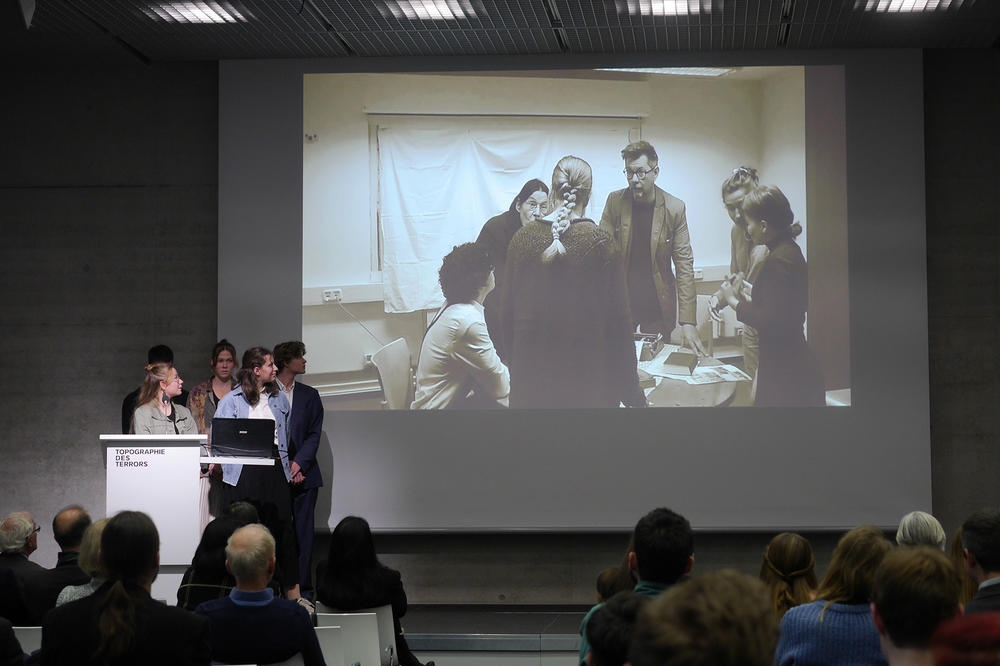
(242, 440)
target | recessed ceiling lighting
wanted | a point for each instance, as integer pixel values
(664, 7)
(196, 12)
(906, 5)
(431, 10)
(672, 71)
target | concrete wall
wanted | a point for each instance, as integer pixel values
(108, 204)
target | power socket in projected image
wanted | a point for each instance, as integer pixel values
(333, 295)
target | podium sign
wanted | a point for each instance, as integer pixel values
(158, 475)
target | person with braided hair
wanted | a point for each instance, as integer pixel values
(565, 320)
(787, 570)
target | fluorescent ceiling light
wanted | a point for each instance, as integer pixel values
(665, 7)
(196, 12)
(431, 10)
(906, 5)
(673, 71)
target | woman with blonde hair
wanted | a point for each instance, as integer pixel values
(90, 563)
(787, 570)
(566, 323)
(156, 414)
(838, 627)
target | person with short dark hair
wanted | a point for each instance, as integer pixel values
(121, 623)
(914, 590)
(649, 227)
(305, 429)
(664, 552)
(156, 354)
(458, 365)
(981, 546)
(250, 624)
(68, 528)
(722, 618)
(610, 629)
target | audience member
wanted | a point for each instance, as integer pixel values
(18, 540)
(914, 590)
(156, 354)
(68, 528)
(208, 578)
(458, 367)
(610, 629)
(11, 653)
(305, 429)
(981, 543)
(353, 579)
(242, 511)
(969, 587)
(967, 640)
(121, 623)
(837, 628)
(722, 618)
(664, 551)
(89, 563)
(921, 529)
(787, 571)
(251, 625)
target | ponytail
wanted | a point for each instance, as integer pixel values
(115, 624)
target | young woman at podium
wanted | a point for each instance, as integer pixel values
(156, 413)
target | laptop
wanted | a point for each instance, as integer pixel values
(252, 438)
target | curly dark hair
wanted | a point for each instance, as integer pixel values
(464, 271)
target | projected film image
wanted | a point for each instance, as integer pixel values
(574, 239)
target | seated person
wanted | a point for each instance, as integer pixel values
(458, 365)
(981, 547)
(918, 528)
(252, 625)
(787, 569)
(967, 640)
(208, 577)
(353, 579)
(68, 528)
(18, 540)
(610, 629)
(11, 653)
(722, 618)
(89, 563)
(121, 623)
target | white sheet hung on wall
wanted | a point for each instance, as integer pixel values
(442, 177)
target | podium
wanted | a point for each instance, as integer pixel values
(158, 475)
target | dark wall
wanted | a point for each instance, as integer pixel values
(108, 188)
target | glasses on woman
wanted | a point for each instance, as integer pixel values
(638, 173)
(540, 207)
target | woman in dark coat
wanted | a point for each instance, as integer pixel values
(789, 374)
(353, 579)
(530, 204)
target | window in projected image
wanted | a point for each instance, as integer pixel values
(640, 238)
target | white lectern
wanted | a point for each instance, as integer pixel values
(158, 475)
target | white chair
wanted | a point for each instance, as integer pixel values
(331, 642)
(30, 638)
(394, 373)
(386, 630)
(360, 636)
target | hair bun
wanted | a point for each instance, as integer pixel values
(795, 229)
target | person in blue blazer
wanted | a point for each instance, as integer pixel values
(305, 428)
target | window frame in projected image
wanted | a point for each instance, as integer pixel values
(407, 165)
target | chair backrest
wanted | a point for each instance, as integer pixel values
(331, 642)
(30, 638)
(360, 636)
(386, 630)
(394, 373)
(294, 660)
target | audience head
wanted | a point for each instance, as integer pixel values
(921, 529)
(352, 547)
(609, 630)
(914, 590)
(287, 353)
(969, 585)
(531, 202)
(613, 580)
(162, 383)
(981, 540)
(466, 273)
(967, 640)
(257, 372)
(787, 570)
(130, 553)
(223, 360)
(720, 618)
(90, 550)
(69, 525)
(160, 354)
(664, 547)
(858, 554)
(740, 182)
(641, 169)
(250, 556)
(18, 533)
(768, 215)
(210, 556)
(243, 512)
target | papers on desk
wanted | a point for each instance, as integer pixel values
(714, 374)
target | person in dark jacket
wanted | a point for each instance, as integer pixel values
(353, 579)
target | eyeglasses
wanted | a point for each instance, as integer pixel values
(38, 528)
(537, 206)
(638, 173)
